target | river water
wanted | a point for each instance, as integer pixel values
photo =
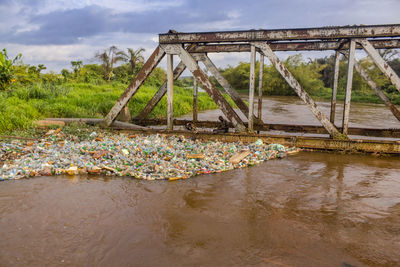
(309, 209)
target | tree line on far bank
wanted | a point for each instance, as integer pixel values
(115, 66)
(315, 75)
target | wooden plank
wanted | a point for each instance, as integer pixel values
(266, 50)
(251, 87)
(349, 85)
(170, 92)
(208, 86)
(160, 93)
(132, 89)
(380, 62)
(238, 157)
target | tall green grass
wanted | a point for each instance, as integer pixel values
(21, 106)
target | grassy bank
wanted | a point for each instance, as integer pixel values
(22, 105)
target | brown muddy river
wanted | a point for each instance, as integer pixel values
(309, 209)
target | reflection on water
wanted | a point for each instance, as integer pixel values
(310, 209)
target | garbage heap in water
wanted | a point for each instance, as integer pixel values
(149, 157)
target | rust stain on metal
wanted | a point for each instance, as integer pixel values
(380, 62)
(310, 129)
(378, 91)
(299, 90)
(323, 38)
(209, 87)
(160, 93)
(144, 72)
(335, 87)
(284, 34)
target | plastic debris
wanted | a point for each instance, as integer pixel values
(149, 157)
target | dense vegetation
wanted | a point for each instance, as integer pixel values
(27, 94)
(316, 77)
(90, 90)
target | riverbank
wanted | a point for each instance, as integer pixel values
(20, 106)
(149, 157)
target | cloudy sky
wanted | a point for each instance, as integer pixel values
(55, 32)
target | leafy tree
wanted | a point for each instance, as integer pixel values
(6, 70)
(76, 66)
(134, 59)
(109, 58)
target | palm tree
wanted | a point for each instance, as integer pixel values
(134, 58)
(108, 58)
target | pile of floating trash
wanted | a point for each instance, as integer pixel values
(148, 157)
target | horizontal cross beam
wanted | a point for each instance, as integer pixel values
(295, 46)
(311, 129)
(362, 31)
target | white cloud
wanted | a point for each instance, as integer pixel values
(116, 5)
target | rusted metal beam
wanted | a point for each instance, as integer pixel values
(266, 50)
(315, 45)
(160, 93)
(362, 31)
(252, 84)
(309, 129)
(349, 85)
(260, 86)
(380, 62)
(335, 86)
(223, 82)
(195, 100)
(170, 92)
(207, 85)
(378, 91)
(144, 72)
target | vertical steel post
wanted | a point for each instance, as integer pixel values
(349, 84)
(224, 83)
(251, 87)
(170, 92)
(291, 80)
(208, 86)
(195, 100)
(260, 86)
(160, 93)
(335, 86)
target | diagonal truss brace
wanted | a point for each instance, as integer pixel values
(380, 62)
(378, 91)
(132, 89)
(160, 93)
(207, 85)
(291, 80)
(210, 66)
